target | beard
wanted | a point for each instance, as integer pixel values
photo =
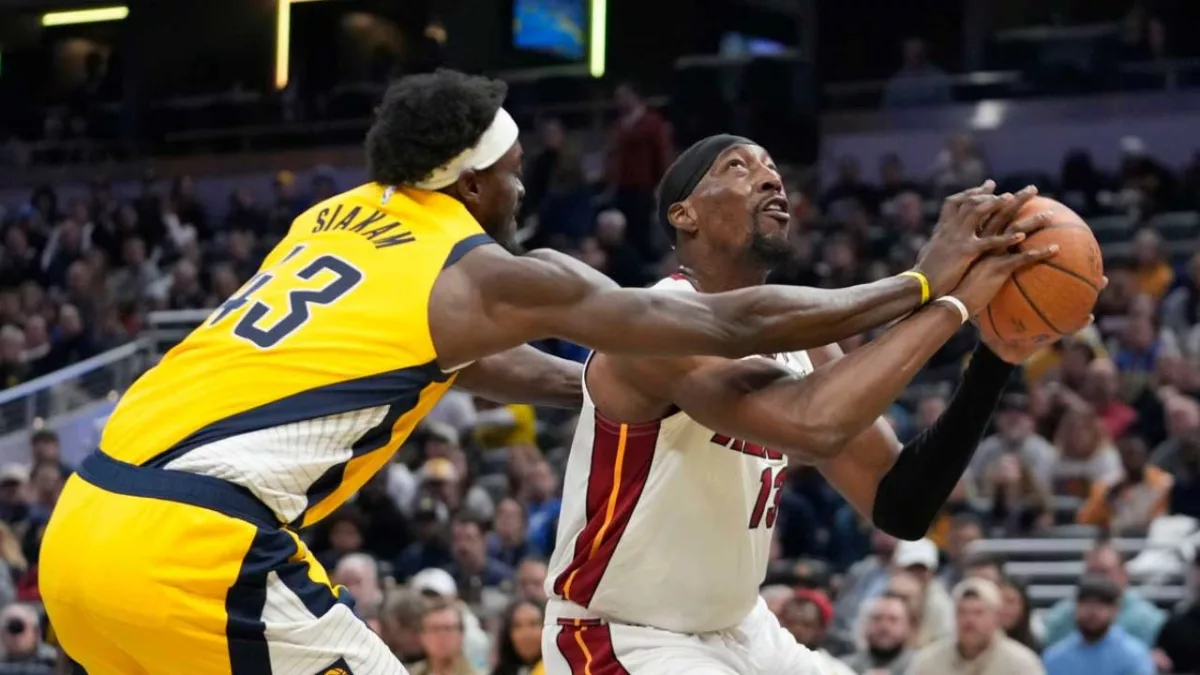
(770, 251)
(1092, 635)
(883, 654)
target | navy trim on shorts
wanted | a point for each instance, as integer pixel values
(245, 631)
(465, 246)
(205, 492)
(390, 388)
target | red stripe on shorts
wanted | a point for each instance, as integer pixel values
(589, 650)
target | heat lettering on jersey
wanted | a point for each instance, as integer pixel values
(745, 447)
(350, 222)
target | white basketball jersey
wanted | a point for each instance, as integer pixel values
(666, 524)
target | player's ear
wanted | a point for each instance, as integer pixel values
(682, 216)
(469, 187)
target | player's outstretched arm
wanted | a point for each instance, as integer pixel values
(490, 301)
(525, 375)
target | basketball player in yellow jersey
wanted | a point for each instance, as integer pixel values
(173, 549)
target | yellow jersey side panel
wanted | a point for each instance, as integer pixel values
(336, 320)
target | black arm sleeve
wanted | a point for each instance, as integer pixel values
(912, 492)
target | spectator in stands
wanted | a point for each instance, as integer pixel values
(807, 616)
(1181, 307)
(1102, 390)
(1182, 418)
(1185, 493)
(866, 579)
(473, 569)
(887, 633)
(436, 584)
(72, 340)
(1015, 434)
(1134, 614)
(400, 624)
(1098, 643)
(979, 647)
(1080, 182)
(638, 154)
(931, 604)
(359, 573)
(983, 566)
(1085, 453)
(1018, 502)
(445, 478)
(13, 564)
(1140, 347)
(185, 291)
(848, 190)
(893, 181)
(431, 547)
(386, 530)
(14, 504)
(1177, 649)
(519, 650)
(13, 369)
(64, 247)
(531, 581)
(624, 264)
(1016, 614)
(243, 213)
(24, 651)
(1146, 184)
(539, 489)
(44, 446)
(562, 200)
(965, 529)
(509, 542)
(919, 82)
(442, 641)
(1152, 270)
(959, 165)
(18, 259)
(1126, 506)
(340, 534)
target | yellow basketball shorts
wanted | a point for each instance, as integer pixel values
(149, 571)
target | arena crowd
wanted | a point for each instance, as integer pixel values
(445, 550)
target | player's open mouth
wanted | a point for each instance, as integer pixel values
(777, 208)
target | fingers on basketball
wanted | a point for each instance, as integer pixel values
(1053, 292)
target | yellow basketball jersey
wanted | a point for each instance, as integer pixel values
(303, 384)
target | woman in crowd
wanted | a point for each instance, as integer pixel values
(1016, 614)
(520, 642)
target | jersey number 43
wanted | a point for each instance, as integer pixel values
(342, 278)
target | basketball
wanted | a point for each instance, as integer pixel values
(1053, 298)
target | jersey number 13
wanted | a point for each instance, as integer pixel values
(342, 278)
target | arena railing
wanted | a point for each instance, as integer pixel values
(72, 401)
(166, 328)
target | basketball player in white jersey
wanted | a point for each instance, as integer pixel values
(674, 478)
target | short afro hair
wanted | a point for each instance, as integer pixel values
(425, 120)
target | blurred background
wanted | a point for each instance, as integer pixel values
(152, 152)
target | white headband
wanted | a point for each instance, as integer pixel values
(491, 146)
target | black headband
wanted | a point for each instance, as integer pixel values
(687, 170)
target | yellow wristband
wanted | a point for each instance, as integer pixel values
(924, 283)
